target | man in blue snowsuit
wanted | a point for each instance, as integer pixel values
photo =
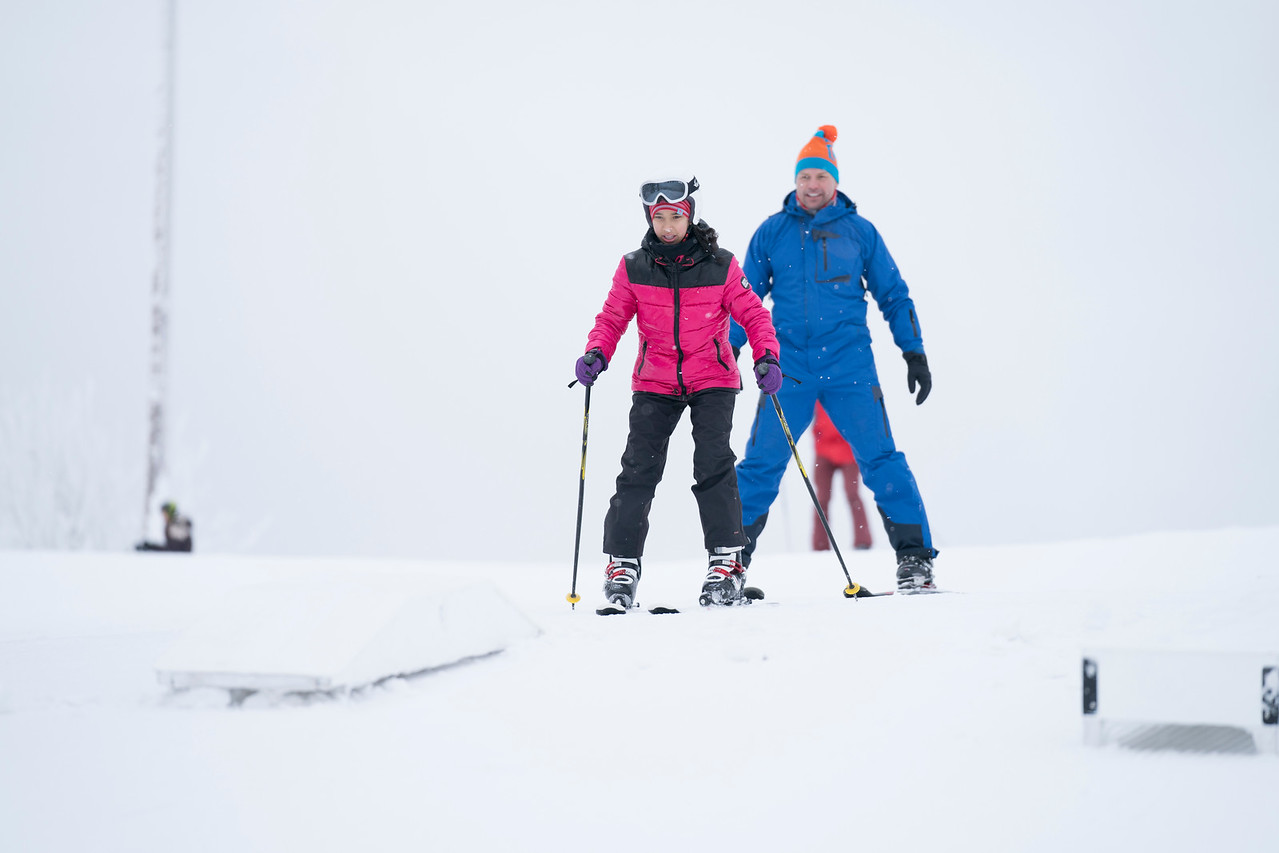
(818, 258)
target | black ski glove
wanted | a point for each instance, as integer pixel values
(917, 371)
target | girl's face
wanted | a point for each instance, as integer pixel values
(670, 226)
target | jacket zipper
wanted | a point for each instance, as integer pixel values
(803, 265)
(679, 352)
(643, 358)
(718, 357)
(883, 410)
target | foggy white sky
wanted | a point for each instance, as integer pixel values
(393, 227)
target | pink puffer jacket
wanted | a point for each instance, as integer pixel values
(682, 308)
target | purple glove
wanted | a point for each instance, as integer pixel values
(590, 366)
(768, 374)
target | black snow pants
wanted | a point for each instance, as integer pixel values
(653, 420)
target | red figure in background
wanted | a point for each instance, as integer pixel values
(834, 454)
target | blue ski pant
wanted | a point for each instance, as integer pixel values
(857, 410)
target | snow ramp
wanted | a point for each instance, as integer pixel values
(337, 635)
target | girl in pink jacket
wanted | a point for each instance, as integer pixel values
(682, 289)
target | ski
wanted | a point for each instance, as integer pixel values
(749, 594)
(933, 591)
(756, 594)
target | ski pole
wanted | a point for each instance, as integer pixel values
(853, 590)
(573, 598)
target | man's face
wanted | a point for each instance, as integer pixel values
(814, 188)
(669, 226)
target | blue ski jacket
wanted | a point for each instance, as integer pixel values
(818, 269)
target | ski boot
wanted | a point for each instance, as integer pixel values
(725, 579)
(621, 577)
(914, 573)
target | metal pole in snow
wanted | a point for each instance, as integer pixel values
(158, 376)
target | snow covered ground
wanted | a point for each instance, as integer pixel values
(809, 722)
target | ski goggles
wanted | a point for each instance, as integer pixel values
(672, 190)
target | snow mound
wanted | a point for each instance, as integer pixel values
(338, 635)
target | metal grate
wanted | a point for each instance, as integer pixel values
(1182, 738)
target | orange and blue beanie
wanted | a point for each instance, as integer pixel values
(819, 152)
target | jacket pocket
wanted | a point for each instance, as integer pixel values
(840, 255)
(883, 410)
(720, 357)
(639, 368)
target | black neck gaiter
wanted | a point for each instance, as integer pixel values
(680, 254)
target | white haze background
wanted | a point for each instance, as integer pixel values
(393, 224)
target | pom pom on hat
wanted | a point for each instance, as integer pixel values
(819, 153)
